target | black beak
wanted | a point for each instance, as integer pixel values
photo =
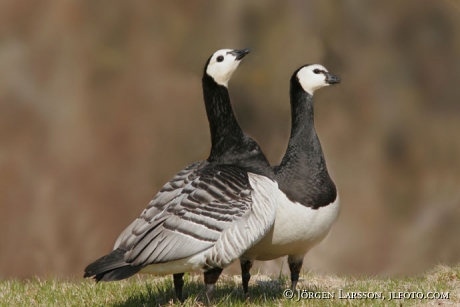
(331, 79)
(239, 53)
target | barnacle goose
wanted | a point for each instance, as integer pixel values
(311, 204)
(212, 211)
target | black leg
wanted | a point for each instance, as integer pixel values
(246, 266)
(210, 279)
(178, 284)
(295, 265)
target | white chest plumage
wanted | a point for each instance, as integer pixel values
(296, 230)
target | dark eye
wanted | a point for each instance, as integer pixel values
(220, 58)
(316, 71)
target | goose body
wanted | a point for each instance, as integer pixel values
(296, 230)
(216, 237)
(212, 211)
(208, 219)
(309, 204)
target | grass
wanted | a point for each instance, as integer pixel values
(265, 291)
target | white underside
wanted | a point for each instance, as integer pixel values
(296, 230)
(189, 264)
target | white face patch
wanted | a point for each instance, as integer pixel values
(311, 77)
(222, 65)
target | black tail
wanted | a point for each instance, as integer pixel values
(111, 267)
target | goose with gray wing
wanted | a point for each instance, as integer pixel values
(310, 203)
(212, 211)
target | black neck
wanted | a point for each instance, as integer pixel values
(225, 130)
(229, 145)
(303, 175)
(302, 115)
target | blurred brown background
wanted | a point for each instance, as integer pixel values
(100, 105)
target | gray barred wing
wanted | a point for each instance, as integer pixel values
(188, 215)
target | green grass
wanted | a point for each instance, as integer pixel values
(265, 291)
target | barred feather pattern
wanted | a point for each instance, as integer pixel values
(212, 209)
(251, 228)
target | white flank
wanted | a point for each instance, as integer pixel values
(296, 230)
(193, 263)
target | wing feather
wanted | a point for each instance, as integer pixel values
(199, 210)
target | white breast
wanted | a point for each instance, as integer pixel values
(296, 230)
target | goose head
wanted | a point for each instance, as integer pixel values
(315, 76)
(223, 63)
